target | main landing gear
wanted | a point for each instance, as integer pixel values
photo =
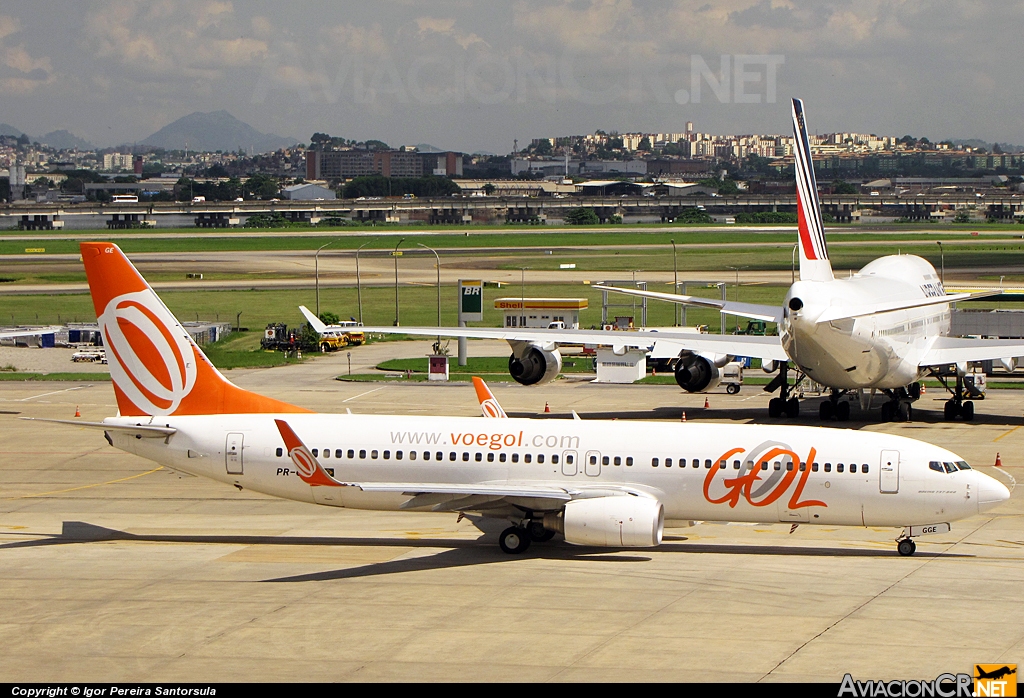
(834, 407)
(906, 546)
(956, 406)
(516, 539)
(900, 408)
(786, 404)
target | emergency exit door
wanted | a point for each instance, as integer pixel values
(233, 454)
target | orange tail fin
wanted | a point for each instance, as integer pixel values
(488, 403)
(156, 367)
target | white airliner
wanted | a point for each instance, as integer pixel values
(603, 483)
(882, 329)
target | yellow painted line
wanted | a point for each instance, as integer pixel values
(84, 487)
(1008, 432)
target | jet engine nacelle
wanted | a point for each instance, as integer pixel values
(696, 373)
(534, 365)
(636, 522)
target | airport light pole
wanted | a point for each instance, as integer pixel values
(522, 296)
(675, 283)
(395, 254)
(359, 286)
(942, 263)
(438, 258)
(316, 272)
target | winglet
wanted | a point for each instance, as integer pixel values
(814, 264)
(308, 467)
(313, 320)
(488, 404)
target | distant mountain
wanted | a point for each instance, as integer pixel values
(978, 143)
(65, 140)
(8, 130)
(216, 130)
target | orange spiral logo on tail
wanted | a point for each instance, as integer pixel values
(303, 460)
(153, 365)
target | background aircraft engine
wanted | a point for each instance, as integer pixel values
(695, 373)
(613, 521)
(537, 365)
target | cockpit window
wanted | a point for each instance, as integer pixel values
(963, 465)
(936, 466)
(950, 468)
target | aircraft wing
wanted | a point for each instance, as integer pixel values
(840, 312)
(769, 313)
(956, 350)
(419, 488)
(29, 332)
(737, 345)
(314, 322)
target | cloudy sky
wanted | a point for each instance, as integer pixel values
(475, 75)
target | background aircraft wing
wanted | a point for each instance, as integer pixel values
(313, 320)
(954, 350)
(764, 347)
(28, 332)
(769, 313)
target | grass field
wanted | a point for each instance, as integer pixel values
(67, 243)
(418, 305)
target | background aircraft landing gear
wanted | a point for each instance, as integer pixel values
(514, 540)
(900, 406)
(835, 407)
(957, 406)
(906, 546)
(784, 404)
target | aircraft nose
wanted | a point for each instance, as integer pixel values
(991, 492)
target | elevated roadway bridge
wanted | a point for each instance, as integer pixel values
(486, 209)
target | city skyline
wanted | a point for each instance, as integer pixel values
(470, 77)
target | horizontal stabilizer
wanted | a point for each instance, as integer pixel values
(845, 313)
(146, 431)
(768, 313)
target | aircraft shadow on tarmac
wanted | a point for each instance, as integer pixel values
(457, 552)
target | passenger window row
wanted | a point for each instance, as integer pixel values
(764, 465)
(452, 456)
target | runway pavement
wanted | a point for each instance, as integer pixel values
(114, 570)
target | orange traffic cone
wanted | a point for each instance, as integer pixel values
(999, 461)
(923, 391)
(707, 405)
(683, 419)
(654, 371)
(547, 408)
